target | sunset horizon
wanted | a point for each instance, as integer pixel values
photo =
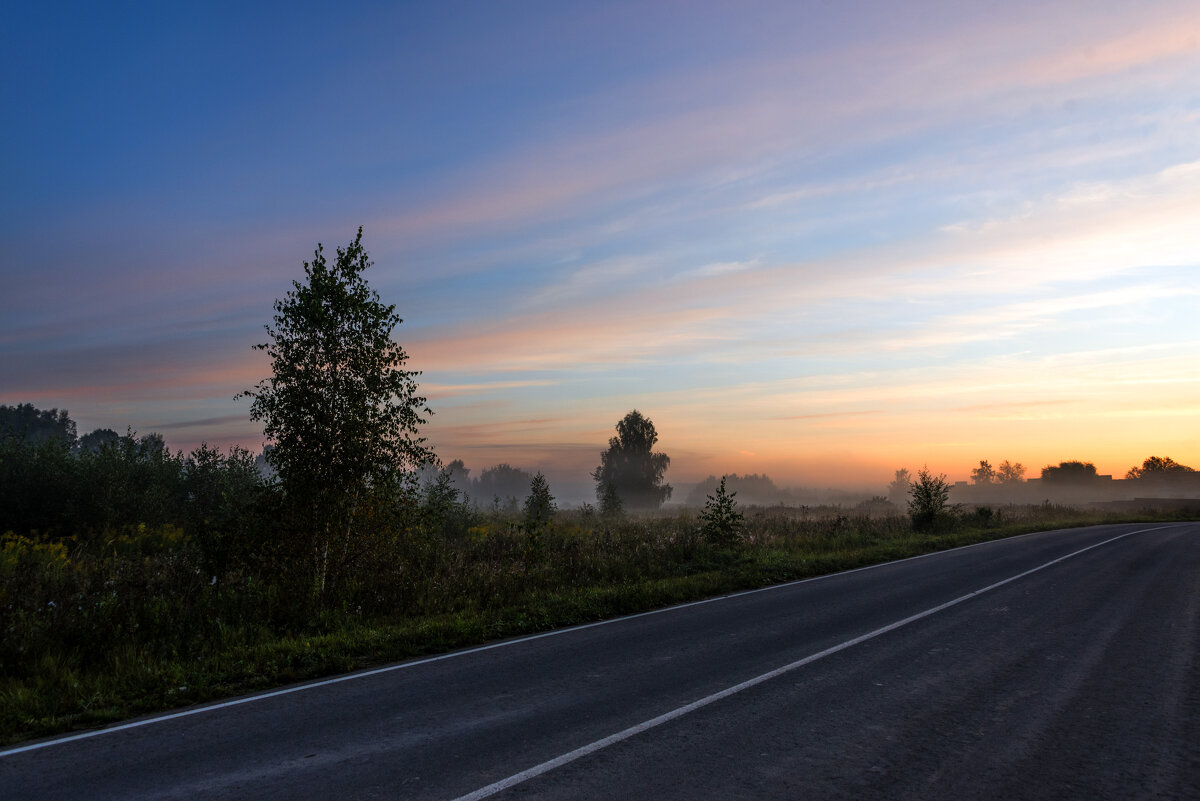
(816, 244)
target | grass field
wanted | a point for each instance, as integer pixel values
(98, 636)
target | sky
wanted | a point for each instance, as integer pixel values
(820, 240)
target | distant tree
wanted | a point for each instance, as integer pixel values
(98, 439)
(445, 509)
(439, 493)
(460, 476)
(1157, 467)
(539, 504)
(1010, 473)
(721, 522)
(1072, 472)
(752, 487)
(984, 474)
(262, 462)
(153, 443)
(901, 486)
(631, 468)
(503, 482)
(340, 409)
(929, 495)
(29, 424)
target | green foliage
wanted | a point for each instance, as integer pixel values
(630, 468)
(721, 522)
(340, 409)
(928, 497)
(47, 487)
(223, 493)
(136, 481)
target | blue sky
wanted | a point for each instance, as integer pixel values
(821, 240)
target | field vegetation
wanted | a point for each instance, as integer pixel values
(158, 580)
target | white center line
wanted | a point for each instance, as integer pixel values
(674, 714)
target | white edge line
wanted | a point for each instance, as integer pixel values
(591, 748)
(246, 699)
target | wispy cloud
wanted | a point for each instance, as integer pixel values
(840, 235)
(202, 423)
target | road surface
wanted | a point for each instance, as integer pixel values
(1055, 665)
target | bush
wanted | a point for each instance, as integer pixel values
(927, 501)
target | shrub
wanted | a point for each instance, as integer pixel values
(721, 522)
(611, 508)
(927, 501)
(539, 505)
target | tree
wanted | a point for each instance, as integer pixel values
(754, 489)
(984, 474)
(1010, 472)
(721, 522)
(98, 440)
(340, 409)
(445, 509)
(1158, 467)
(539, 504)
(901, 486)
(503, 482)
(35, 426)
(460, 476)
(929, 496)
(630, 467)
(1072, 472)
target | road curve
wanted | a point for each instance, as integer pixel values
(1060, 664)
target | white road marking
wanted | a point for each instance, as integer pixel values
(674, 714)
(247, 699)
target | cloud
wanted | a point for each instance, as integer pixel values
(758, 110)
(991, 407)
(205, 422)
(436, 391)
(1015, 276)
(830, 415)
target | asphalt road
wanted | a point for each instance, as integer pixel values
(1056, 665)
